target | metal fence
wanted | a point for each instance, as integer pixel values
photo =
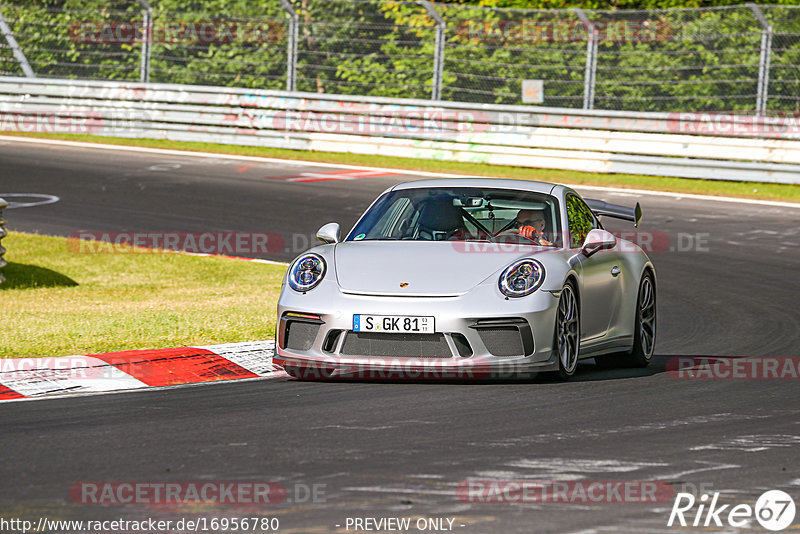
(742, 58)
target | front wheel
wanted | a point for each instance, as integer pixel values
(567, 333)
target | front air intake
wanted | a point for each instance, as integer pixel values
(371, 344)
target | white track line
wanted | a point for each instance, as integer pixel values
(168, 152)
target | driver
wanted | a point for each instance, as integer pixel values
(530, 224)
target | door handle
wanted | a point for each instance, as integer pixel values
(615, 270)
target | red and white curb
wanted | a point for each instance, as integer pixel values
(28, 378)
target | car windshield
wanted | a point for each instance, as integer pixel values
(461, 214)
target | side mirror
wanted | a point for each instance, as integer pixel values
(597, 240)
(329, 233)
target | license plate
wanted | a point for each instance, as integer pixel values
(393, 324)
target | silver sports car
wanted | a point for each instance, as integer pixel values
(469, 278)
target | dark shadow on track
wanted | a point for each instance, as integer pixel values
(22, 276)
(591, 372)
(587, 372)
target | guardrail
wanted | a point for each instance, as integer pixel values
(690, 145)
(3, 233)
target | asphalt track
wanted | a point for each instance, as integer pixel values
(728, 286)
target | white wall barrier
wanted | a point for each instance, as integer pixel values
(690, 145)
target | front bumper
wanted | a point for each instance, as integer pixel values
(474, 339)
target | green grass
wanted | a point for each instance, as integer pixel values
(56, 301)
(762, 191)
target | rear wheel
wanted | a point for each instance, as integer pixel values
(644, 337)
(644, 341)
(567, 333)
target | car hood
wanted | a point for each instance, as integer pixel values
(429, 268)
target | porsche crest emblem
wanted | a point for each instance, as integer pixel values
(403, 284)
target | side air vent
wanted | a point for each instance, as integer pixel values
(297, 331)
(505, 336)
(462, 345)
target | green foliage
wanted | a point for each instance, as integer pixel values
(49, 34)
(679, 60)
(62, 301)
(580, 221)
(607, 4)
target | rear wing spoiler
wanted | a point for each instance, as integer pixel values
(600, 207)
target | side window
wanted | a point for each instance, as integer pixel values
(580, 219)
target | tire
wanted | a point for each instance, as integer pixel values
(644, 336)
(567, 340)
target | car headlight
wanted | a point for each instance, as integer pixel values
(306, 272)
(521, 278)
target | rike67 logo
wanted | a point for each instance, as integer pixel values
(774, 510)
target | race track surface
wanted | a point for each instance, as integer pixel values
(727, 281)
